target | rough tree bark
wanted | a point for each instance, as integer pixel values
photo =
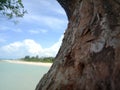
(89, 57)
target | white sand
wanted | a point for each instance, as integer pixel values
(29, 63)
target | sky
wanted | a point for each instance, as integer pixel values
(39, 32)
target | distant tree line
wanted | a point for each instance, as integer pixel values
(38, 59)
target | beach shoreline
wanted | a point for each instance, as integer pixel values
(28, 63)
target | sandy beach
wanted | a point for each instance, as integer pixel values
(28, 63)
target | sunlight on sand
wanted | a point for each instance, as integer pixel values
(29, 63)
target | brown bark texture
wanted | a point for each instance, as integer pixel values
(89, 57)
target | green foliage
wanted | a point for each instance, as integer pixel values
(37, 59)
(27, 57)
(12, 8)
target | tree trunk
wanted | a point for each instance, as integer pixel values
(89, 57)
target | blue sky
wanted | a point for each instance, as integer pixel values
(39, 32)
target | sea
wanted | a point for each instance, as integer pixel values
(20, 76)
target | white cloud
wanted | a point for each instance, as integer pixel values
(13, 47)
(3, 28)
(48, 21)
(2, 40)
(29, 47)
(49, 14)
(37, 31)
(43, 16)
(32, 47)
(52, 6)
(9, 28)
(52, 51)
(17, 30)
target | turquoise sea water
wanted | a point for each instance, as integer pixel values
(19, 76)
